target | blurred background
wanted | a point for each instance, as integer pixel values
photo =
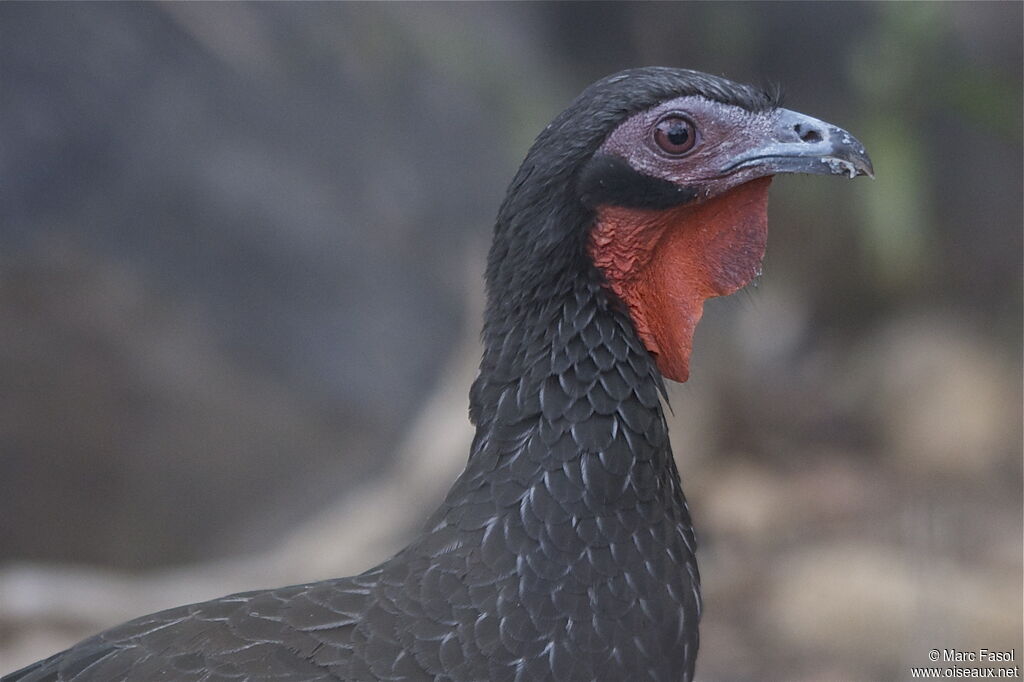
(240, 257)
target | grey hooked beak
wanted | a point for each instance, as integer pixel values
(802, 144)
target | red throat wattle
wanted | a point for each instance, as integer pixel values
(664, 264)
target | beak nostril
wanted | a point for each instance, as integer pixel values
(807, 134)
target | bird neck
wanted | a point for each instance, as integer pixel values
(570, 506)
(569, 520)
(567, 405)
(567, 389)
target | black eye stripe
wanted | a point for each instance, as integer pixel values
(610, 180)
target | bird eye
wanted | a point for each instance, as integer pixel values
(675, 135)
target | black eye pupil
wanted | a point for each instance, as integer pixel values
(674, 135)
(678, 134)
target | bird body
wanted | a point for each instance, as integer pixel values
(565, 549)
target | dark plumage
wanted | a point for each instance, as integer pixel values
(564, 550)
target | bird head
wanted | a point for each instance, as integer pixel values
(659, 177)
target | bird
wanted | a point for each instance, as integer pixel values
(565, 549)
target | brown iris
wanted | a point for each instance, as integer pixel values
(675, 135)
